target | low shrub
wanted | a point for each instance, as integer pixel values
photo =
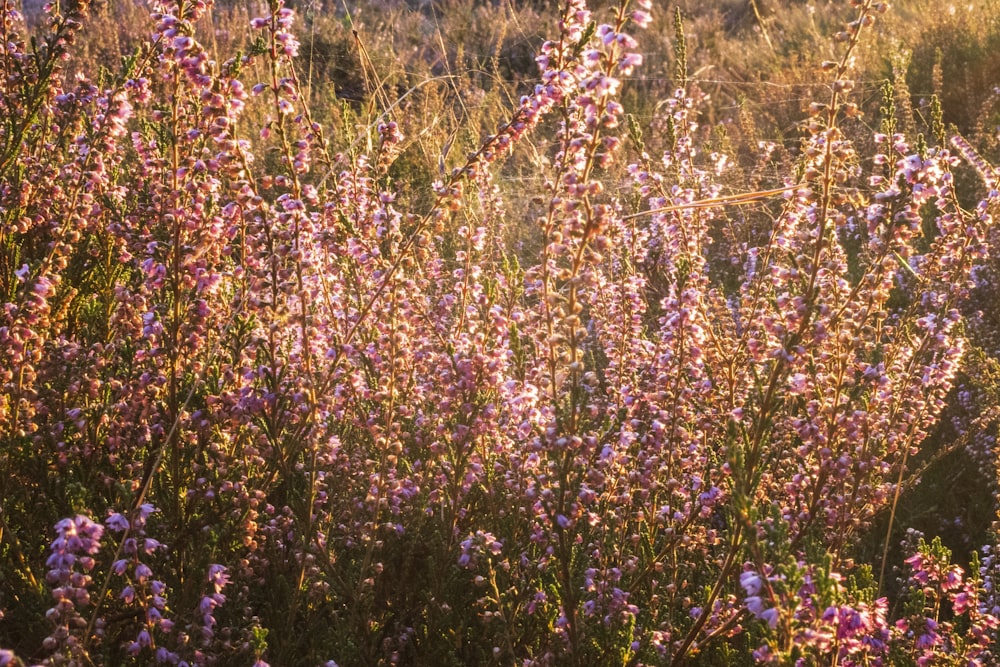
(271, 395)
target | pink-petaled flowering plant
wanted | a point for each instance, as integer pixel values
(660, 411)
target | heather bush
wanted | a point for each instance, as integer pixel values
(281, 384)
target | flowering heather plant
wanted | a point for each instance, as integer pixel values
(315, 423)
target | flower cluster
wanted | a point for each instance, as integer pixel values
(142, 590)
(78, 541)
(929, 635)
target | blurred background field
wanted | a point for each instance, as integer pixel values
(451, 71)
